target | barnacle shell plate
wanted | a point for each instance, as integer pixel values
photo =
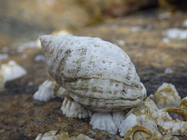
(168, 125)
(167, 96)
(183, 105)
(96, 73)
(60, 135)
(142, 133)
(10, 71)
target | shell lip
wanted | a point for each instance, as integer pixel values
(128, 103)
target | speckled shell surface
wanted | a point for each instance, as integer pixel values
(97, 74)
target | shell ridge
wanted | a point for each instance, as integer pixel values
(105, 105)
(56, 48)
(74, 79)
(80, 96)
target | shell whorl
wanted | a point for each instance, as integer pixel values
(92, 69)
(50, 45)
(87, 57)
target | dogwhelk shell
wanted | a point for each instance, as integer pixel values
(97, 74)
(99, 79)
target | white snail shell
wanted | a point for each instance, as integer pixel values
(96, 73)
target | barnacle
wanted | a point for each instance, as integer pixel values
(10, 71)
(60, 135)
(167, 96)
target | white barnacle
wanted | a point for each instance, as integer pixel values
(60, 135)
(104, 121)
(74, 109)
(10, 71)
(167, 96)
(127, 124)
(168, 125)
(46, 91)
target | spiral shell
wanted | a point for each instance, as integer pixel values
(97, 74)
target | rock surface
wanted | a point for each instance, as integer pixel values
(157, 59)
